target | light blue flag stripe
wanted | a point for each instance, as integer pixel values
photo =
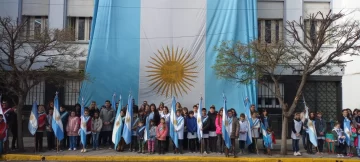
(199, 120)
(118, 129)
(250, 122)
(266, 138)
(57, 125)
(226, 135)
(173, 133)
(128, 119)
(347, 129)
(83, 129)
(33, 120)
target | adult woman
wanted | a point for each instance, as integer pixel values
(166, 116)
(161, 108)
(178, 105)
(93, 108)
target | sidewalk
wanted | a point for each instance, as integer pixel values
(106, 154)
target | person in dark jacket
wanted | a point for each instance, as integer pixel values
(266, 120)
(64, 115)
(205, 130)
(191, 126)
(212, 129)
(296, 130)
(341, 119)
(140, 132)
(320, 126)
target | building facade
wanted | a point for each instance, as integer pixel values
(328, 93)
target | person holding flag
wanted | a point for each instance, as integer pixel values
(41, 128)
(118, 127)
(33, 119)
(309, 125)
(85, 126)
(250, 124)
(179, 129)
(128, 120)
(56, 124)
(230, 129)
(347, 128)
(197, 114)
(173, 124)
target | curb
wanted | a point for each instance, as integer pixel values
(22, 157)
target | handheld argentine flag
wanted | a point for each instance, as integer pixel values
(33, 120)
(117, 131)
(266, 137)
(347, 131)
(57, 123)
(250, 122)
(3, 113)
(226, 124)
(306, 115)
(83, 126)
(312, 133)
(113, 101)
(199, 121)
(147, 126)
(128, 117)
(173, 123)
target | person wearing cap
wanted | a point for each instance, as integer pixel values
(212, 129)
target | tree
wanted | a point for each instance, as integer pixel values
(29, 57)
(302, 51)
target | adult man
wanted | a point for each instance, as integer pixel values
(107, 115)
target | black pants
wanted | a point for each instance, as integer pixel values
(252, 146)
(134, 143)
(161, 147)
(180, 146)
(192, 144)
(341, 148)
(65, 143)
(50, 140)
(205, 145)
(198, 147)
(212, 144)
(241, 144)
(106, 137)
(320, 145)
(185, 142)
(88, 139)
(39, 141)
(309, 144)
(14, 133)
(232, 148)
(166, 144)
(221, 143)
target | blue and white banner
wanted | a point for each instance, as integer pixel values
(347, 130)
(166, 48)
(128, 118)
(118, 126)
(33, 119)
(199, 121)
(56, 124)
(250, 123)
(226, 125)
(173, 123)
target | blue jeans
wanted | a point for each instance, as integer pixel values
(1, 146)
(95, 140)
(295, 145)
(304, 141)
(72, 142)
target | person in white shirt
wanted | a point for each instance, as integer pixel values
(254, 132)
(242, 132)
(179, 129)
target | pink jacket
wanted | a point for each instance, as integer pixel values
(218, 124)
(73, 126)
(161, 132)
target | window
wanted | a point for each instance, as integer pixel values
(266, 98)
(35, 25)
(36, 93)
(81, 27)
(312, 29)
(72, 92)
(270, 31)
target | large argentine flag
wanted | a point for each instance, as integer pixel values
(165, 48)
(56, 122)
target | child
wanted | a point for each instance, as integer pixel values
(357, 142)
(352, 139)
(296, 131)
(340, 138)
(72, 129)
(233, 128)
(49, 131)
(134, 139)
(86, 126)
(41, 128)
(268, 141)
(152, 136)
(205, 131)
(242, 132)
(3, 129)
(192, 130)
(179, 129)
(140, 131)
(254, 132)
(320, 127)
(96, 125)
(161, 132)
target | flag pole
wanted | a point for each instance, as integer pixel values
(35, 142)
(57, 145)
(202, 147)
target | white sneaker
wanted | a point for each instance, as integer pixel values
(295, 154)
(341, 155)
(74, 149)
(298, 153)
(70, 149)
(338, 155)
(82, 150)
(205, 152)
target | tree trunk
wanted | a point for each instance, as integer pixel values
(20, 122)
(283, 150)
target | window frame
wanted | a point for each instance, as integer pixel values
(73, 22)
(275, 35)
(265, 94)
(30, 25)
(36, 93)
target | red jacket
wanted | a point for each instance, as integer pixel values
(88, 125)
(161, 132)
(41, 122)
(3, 128)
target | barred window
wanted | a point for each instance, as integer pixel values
(36, 93)
(72, 92)
(266, 97)
(270, 31)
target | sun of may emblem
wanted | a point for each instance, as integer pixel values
(172, 72)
